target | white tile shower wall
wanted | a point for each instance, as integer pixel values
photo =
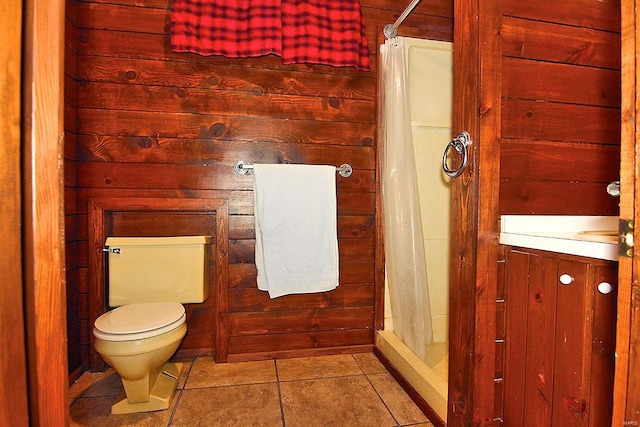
(430, 93)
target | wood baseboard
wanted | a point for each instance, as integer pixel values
(289, 354)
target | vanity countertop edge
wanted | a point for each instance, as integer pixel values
(587, 236)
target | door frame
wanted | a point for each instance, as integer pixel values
(626, 396)
(13, 376)
(43, 262)
(475, 248)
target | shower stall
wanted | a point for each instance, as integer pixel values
(416, 329)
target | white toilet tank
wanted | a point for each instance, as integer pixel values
(156, 269)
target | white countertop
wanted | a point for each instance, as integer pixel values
(588, 236)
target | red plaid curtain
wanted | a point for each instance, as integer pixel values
(329, 32)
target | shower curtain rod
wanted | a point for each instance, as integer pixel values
(391, 30)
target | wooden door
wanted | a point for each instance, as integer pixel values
(627, 379)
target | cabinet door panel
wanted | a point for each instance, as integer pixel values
(515, 337)
(540, 341)
(572, 318)
(603, 344)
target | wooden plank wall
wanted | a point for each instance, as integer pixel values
(560, 143)
(145, 122)
(75, 224)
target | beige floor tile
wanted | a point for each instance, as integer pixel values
(399, 403)
(86, 380)
(317, 367)
(107, 385)
(253, 405)
(206, 373)
(369, 363)
(346, 402)
(96, 412)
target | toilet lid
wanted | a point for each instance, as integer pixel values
(139, 318)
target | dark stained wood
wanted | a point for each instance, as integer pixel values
(559, 340)
(221, 127)
(212, 76)
(516, 342)
(548, 81)
(474, 212)
(552, 121)
(627, 375)
(540, 340)
(303, 345)
(603, 346)
(75, 225)
(570, 384)
(124, 217)
(604, 15)
(530, 39)
(231, 102)
(547, 161)
(464, 219)
(524, 197)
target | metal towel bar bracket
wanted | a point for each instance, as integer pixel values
(242, 168)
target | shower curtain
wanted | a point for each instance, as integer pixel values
(404, 245)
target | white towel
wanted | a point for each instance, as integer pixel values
(296, 228)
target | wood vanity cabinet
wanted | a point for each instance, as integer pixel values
(559, 339)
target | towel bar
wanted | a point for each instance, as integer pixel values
(241, 168)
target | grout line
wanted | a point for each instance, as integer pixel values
(382, 400)
(357, 364)
(284, 422)
(177, 395)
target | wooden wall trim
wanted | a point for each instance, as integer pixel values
(43, 212)
(13, 369)
(490, 111)
(462, 309)
(98, 231)
(474, 213)
(626, 403)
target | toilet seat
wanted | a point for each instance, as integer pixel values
(138, 321)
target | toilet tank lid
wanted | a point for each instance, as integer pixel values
(139, 317)
(158, 241)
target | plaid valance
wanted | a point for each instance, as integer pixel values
(329, 32)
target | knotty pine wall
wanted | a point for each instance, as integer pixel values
(560, 138)
(142, 121)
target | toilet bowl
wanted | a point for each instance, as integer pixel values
(137, 340)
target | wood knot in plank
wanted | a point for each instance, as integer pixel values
(211, 81)
(216, 130)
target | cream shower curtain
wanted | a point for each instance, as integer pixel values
(404, 245)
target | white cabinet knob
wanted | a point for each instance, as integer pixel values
(566, 279)
(605, 288)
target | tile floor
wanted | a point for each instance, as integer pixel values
(341, 390)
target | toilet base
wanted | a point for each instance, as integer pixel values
(160, 396)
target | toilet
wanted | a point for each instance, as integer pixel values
(149, 279)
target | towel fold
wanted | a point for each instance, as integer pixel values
(296, 228)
